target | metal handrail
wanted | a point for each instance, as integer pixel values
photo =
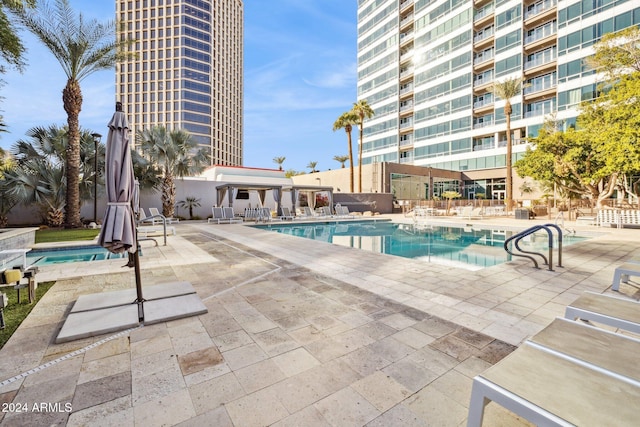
(519, 236)
(164, 224)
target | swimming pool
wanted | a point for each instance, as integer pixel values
(471, 247)
(51, 256)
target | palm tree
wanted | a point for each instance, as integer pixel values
(189, 203)
(506, 90)
(341, 160)
(279, 161)
(312, 166)
(82, 47)
(346, 122)
(11, 48)
(175, 154)
(363, 111)
(7, 199)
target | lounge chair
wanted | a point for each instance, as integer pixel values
(155, 213)
(608, 310)
(230, 216)
(622, 274)
(343, 212)
(219, 216)
(286, 213)
(564, 376)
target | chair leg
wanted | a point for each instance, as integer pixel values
(616, 280)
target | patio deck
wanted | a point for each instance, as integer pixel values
(298, 332)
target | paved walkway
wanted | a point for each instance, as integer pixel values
(298, 333)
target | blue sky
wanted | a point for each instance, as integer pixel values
(299, 69)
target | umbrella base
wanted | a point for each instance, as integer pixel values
(108, 312)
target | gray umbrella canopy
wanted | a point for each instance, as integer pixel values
(118, 233)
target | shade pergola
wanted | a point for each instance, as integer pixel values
(313, 189)
(231, 189)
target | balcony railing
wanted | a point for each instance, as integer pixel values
(406, 36)
(482, 102)
(483, 79)
(406, 19)
(405, 3)
(541, 58)
(406, 89)
(487, 121)
(406, 55)
(538, 85)
(481, 13)
(407, 159)
(406, 107)
(541, 33)
(483, 57)
(540, 7)
(406, 124)
(405, 142)
(406, 72)
(483, 34)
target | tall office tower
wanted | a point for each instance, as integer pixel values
(427, 68)
(188, 72)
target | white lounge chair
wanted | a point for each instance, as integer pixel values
(155, 213)
(565, 376)
(219, 216)
(608, 310)
(286, 213)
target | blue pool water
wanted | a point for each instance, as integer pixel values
(70, 254)
(467, 247)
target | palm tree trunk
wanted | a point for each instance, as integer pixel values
(350, 161)
(72, 101)
(360, 160)
(168, 196)
(509, 183)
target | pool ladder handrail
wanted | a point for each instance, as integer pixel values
(524, 233)
(164, 225)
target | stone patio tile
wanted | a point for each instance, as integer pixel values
(381, 390)
(111, 348)
(295, 361)
(216, 417)
(153, 363)
(364, 361)
(70, 367)
(105, 367)
(114, 413)
(199, 360)
(435, 327)
(398, 321)
(454, 385)
(434, 360)
(244, 356)
(355, 319)
(289, 323)
(275, 341)
(60, 389)
(454, 347)
(258, 409)
(472, 366)
(190, 343)
(377, 330)
(391, 349)
(300, 391)
(353, 339)
(156, 385)
(231, 340)
(209, 395)
(308, 417)
(327, 349)
(102, 390)
(346, 408)
(206, 374)
(166, 410)
(412, 376)
(413, 338)
(155, 344)
(399, 415)
(436, 409)
(307, 334)
(259, 375)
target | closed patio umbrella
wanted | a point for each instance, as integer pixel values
(118, 233)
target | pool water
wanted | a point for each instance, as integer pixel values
(470, 247)
(51, 256)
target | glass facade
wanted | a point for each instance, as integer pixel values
(188, 72)
(427, 68)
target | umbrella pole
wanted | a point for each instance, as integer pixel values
(139, 300)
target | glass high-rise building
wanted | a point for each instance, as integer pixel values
(427, 68)
(188, 72)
